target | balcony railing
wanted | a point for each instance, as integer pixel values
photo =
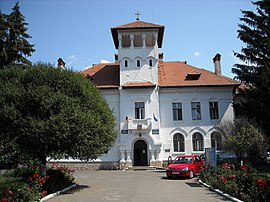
(140, 124)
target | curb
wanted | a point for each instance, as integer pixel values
(57, 193)
(220, 192)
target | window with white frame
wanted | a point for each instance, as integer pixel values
(216, 140)
(150, 63)
(213, 109)
(138, 63)
(126, 63)
(139, 110)
(178, 143)
(196, 110)
(197, 142)
(177, 111)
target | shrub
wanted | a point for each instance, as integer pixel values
(28, 183)
(242, 182)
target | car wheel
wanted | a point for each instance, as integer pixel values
(191, 174)
(169, 177)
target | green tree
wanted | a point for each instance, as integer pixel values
(255, 67)
(3, 39)
(14, 44)
(48, 112)
(245, 140)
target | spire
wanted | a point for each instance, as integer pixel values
(138, 14)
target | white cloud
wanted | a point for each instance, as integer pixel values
(104, 61)
(197, 53)
(71, 60)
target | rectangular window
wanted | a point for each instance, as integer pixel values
(177, 111)
(150, 63)
(213, 109)
(126, 63)
(138, 63)
(196, 110)
(139, 110)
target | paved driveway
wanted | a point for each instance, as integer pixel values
(135, 186)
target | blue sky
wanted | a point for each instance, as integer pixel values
(79, 30)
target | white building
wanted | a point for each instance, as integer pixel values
(162, 108)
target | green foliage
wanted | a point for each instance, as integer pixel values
(244, 182)
(14, 46)
(28, 184)
(245, 140)
(49, 112)
(255, 67)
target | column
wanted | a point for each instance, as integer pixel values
(128, 161)
(152, 158)
(131, 40)
(144, 38)
(158, 161)
(120, 41)
(128, 157)
(122, 153)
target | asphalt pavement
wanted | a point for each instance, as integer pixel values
(135, 186)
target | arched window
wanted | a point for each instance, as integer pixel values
(216, 140)
(138, 42)
(197, 141)
(178, 143)
(150, 40)
(126, 40)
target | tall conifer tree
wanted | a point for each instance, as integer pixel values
(254, 70)
(15, 45)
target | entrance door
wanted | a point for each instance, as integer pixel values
(140, 153)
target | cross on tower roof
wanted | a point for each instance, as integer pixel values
(138, 14)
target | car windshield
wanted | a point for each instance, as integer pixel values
(183, 160)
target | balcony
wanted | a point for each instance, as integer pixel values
(140, 124)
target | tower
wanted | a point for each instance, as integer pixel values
(137, 43)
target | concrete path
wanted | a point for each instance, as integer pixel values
(135, 186)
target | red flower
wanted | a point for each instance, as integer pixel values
(28, 188)
(10, 192)
(35, 175)
(242, 168)
(44, 193)
(4, 199)
(262, 184)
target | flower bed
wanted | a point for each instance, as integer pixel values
(243, 182)
(28, 183)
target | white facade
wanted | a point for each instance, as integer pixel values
(154, 121)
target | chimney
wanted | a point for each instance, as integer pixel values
(217, 65)
(160, 57)
(116, 58)
(61, 63)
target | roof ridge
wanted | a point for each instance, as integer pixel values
(138, 21)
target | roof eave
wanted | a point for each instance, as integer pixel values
(160, 34)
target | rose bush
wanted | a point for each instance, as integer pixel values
(32, 185)
(243, 182)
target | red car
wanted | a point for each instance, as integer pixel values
(186, 165)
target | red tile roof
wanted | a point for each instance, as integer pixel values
(170, 74)
(138, 84)
(138, 25)
(104, 75)
(174, 74)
